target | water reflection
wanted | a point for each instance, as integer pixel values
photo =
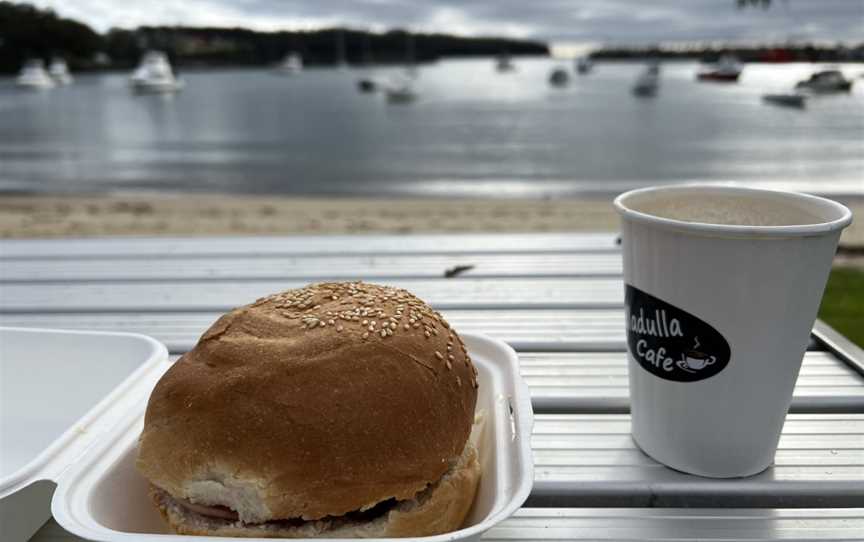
(471, 131)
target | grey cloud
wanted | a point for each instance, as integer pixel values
(620, 21)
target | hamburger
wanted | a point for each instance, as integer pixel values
(335, 410)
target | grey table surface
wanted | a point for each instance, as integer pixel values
(557, 299)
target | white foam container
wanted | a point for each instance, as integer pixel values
(61, 392)
(100, 496)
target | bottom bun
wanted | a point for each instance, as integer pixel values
(440, 508)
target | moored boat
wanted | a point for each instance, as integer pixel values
(584, 65)
(34, 76)
(559, 77)
(290, 65)
(727, 70)
(154, 75)
(826, 81)
(648, 81)
(59, 71)
(786, 99)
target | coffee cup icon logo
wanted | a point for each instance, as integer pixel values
(695, 360)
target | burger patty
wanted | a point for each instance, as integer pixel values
(221, 512)
(225, 513)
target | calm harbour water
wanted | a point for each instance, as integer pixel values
(473, 132)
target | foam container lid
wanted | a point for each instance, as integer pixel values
(61, 392)
(78, 401)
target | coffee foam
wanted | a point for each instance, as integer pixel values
(726, 210)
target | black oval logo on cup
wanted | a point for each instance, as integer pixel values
(672, 343)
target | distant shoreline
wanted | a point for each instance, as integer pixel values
(207, 67)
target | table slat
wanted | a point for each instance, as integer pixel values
(223, 295)
(647, 525)
(523, 329)
(311, 268)
(597, 382)
(678, 524)
(591, 460)
(169, 247)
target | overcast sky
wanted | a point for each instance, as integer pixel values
(632, 21)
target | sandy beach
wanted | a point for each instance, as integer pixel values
(250, 215)
(90, 216)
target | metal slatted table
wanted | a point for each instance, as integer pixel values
(557, 298)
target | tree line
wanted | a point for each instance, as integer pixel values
(27, 32)
(805, 52)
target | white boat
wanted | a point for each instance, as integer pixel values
(33, 75)
(291, 64)
(503, 63)
(826, 81)
(155, 75)
(400, 90)
(786, 99)
(59, 71)
(727, 69)
(584, 65)
(648, 81)
(559, 77)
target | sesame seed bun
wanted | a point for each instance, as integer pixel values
(312, 403)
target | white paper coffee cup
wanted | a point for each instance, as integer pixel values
(722, 288)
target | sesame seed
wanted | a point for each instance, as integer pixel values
(371, 328)
(427, 334)
(331, 321)
(449, 365)
(459, 381)
(383, 332)
(366, 335)
(365, 322)
(450, 357)
(438, 355)
(406, 326)
(339, 328)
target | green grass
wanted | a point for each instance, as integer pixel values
(843, 304)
